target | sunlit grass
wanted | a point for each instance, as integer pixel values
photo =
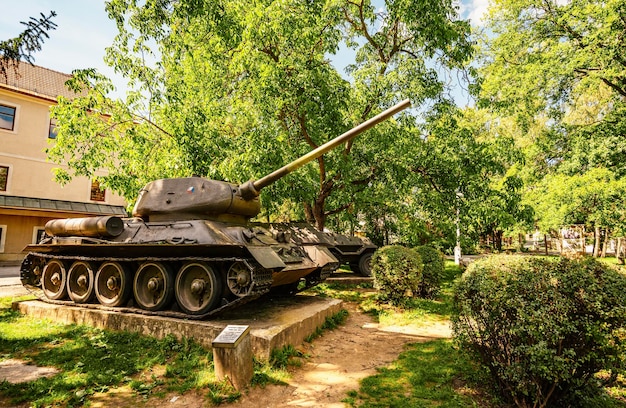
(92, 360)
(414, 311)
(7, 301)
(431, 374)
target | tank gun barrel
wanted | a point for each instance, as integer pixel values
(251, 188)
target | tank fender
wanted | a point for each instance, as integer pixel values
(321, 255)
(267, 257)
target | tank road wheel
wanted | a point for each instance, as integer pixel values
(80, 279)
(154, 286)
(239, 279)
(197, 288)
(53, 280)
(113, 284)
(365, 264)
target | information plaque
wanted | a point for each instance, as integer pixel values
(231, 336)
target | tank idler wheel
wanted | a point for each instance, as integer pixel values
(239, 279)
(113, 285)
(53, 280)
(80, 282)
(154, 286)
(197, 288)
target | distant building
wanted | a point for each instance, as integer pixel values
(29, 197)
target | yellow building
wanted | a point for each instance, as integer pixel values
(29, 197)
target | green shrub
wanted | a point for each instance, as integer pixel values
(544, 328)
(434, 267)
(397, 272)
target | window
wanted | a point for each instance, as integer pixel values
(97, 193)
(4, 177)
(52, 129)
(38, 234)
(3, 233)
(7, 117)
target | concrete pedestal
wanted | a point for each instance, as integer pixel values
(232, 356)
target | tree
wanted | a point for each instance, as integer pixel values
(23, 46)
(556, 69)
(595, 198)
(239, 88)
(465, 155)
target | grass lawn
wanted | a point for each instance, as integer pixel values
(93, 361)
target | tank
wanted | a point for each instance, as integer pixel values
(352, 250)
(188, 250)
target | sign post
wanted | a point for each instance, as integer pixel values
(232, 355)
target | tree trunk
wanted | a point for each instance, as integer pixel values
(619, 251)
(583, 242)
(497, 240)
(605, 242)
(308, 213)
(596, 241)
(545, 242)
(319, 214)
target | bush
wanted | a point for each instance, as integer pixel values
(397, 272)
(543, 328)
(434, 267)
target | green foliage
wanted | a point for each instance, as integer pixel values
(238, 89)
(432, 273)
(330, 323)
(544, 328)
(595, 197)
(286, 356)
(425, 375)
(553, 78)
(397, 273)
(460, 152)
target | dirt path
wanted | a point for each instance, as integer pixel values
(338, 360)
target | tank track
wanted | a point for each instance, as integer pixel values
(261, 285)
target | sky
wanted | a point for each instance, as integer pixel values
(84, 31)
(79, 41)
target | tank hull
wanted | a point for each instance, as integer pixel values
(178, 268)
(352, 250)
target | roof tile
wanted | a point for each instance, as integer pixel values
(37, 80)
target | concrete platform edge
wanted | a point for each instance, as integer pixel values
(290, 325)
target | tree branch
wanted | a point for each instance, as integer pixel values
(23, 46)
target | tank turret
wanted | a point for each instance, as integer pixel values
(188, 251)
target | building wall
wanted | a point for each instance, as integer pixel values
(22, 230)
(30, 175)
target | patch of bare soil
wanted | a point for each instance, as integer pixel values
(18, 371)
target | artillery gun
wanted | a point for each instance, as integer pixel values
(188, 251)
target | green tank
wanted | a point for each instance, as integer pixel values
(352, 250)
(188, 250)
